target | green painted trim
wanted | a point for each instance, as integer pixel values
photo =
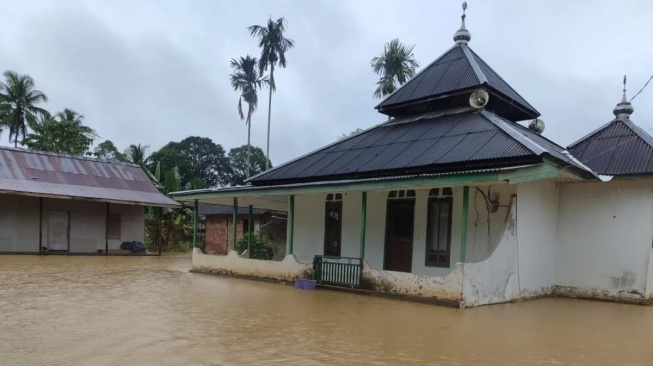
(465, 219)
(249, 231)
(363, 225)
(291, 225)
(195, 220)
(443, 180)
(234, 225)
(532, 173)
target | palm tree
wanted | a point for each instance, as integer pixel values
(18, 100)
(273, 50)
(395, 65)
(137, 154)
(68, 115)
(247, 79)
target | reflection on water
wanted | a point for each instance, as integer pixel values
(152, 311)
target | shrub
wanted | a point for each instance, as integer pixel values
(260, 246)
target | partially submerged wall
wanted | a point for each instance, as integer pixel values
(19, 223)
(604, 239)
(231, 264)
(495, 279)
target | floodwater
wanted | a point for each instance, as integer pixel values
(151, 311)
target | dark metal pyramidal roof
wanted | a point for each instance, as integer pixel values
(434, 142)
(457, 72)
(448, 81)
(619, 147)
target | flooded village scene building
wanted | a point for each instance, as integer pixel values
(420, 201)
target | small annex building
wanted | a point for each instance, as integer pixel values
(218, 224)
(459, 198)
(72, 204)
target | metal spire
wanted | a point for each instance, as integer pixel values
(623, 109)
(462, 35)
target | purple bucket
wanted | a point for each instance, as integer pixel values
(304, 284)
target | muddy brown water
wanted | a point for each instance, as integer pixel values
(153, 311)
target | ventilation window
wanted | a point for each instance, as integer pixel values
(402, 194)
(334, 197)
(445, 192)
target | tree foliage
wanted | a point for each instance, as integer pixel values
(107, 150)
(238, 163)
(18, 105)
(345, 135)
(395, 65)
(194, 157)
(64, 134)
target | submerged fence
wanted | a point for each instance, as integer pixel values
(337, 271)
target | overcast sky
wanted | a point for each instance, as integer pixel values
(155, 71)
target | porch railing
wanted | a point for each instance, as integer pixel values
(337, 271)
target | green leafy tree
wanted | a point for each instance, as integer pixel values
(63, 134)
(194, 157)
(107, 150)
(396, 65)
(273, 45)
(238, 163)
(352, 133)
(247, 80)
(18, 105)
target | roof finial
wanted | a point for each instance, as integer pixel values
(462, 35)
(623, 109)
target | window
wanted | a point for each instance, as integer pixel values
(333, 224)
(113, 227)
(438, 234)
(401, 194)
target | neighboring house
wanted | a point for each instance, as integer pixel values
(71, 204)
(219, 227)
(454, 200)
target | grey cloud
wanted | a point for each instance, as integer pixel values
(154, 72)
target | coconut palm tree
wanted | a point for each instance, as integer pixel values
(137, 154)
(18, 100)
(247, 80)
(396, 65)
(68, 115)
(273, 50)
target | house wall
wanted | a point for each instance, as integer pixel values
(604, 238)
(19, 223)
(309, 226)
(649, 280)
(219, 235)
(537, 225)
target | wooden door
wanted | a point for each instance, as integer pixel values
(399, 235)
(58, 230)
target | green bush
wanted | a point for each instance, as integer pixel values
(260, 246)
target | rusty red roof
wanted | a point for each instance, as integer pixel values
(42, 174)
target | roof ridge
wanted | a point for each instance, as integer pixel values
(416, 75)
(528, 105)
(314, 152)
(533, 146)
(76, 157)
(472, 62)
(594, 132)
(639, 131)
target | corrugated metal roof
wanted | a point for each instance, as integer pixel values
(35, 173)
(212, 209)
(617, 148)
(425, 143)
(180, 195)
(457, 69)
